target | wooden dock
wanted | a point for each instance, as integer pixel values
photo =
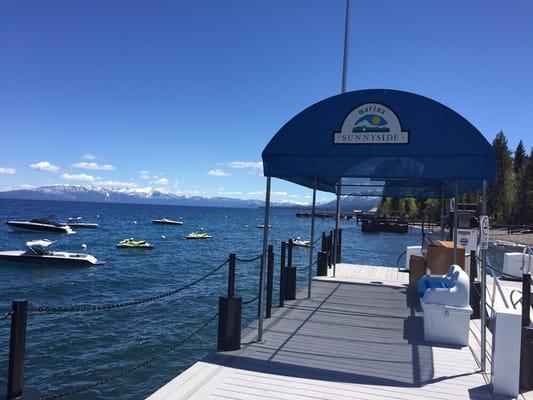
(360, 336)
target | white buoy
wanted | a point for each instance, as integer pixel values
(163, 237)
(135, 222)
(84, 246)
(97, 215)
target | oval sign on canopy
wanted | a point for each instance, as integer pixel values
(371, 123)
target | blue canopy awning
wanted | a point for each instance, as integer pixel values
(413, 145)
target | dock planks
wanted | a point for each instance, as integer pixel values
(351, 340)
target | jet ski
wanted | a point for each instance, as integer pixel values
(166, 221)
(134, 244)
(75, 222)
(39, 253)
(198, 235)
(43, 225)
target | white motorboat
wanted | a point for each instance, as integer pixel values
(42, 225)
(75, 222)
(263, 225)
(166, 221)
(297, 241)
(39, 253)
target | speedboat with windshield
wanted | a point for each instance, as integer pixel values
(42, 225)
(39, 253)
(198, 235)
(131, 243)
(76, 222)
(166, 221)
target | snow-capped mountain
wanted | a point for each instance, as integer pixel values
(120, 194)
(123, 195)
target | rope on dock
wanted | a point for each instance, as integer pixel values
(105, 307)
(142, 364)
(7, 315)
(249, 259)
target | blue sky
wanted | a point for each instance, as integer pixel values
(184, 95)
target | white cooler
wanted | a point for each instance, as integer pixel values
(447, 310)
(446, 324)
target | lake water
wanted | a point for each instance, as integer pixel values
(70, 349)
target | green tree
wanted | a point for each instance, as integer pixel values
(524, 196)
(501, 195)
(519, 157)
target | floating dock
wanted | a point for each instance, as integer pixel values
(360, 336)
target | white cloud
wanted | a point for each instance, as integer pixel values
(246, 164)
(279, 193)
(93, 165)
(27, 186)
(218, 172)
(7, 171)
(144, 174)
(78, 177)
(89, 156)
(162, 181)
(255, 193)
(45, 166)
(293, 196)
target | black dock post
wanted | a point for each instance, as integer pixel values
(282, 274)
(526, 349)
(229, 314)
(324, 245)
(322, 264)
(290, 275)
(270, 281)
(289, 257)
(475, 287)
(17, 344)
(339, 247)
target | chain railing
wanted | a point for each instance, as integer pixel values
(228, 309)
(247, 260)
(129, 370)
(6, 316)
(112, 306)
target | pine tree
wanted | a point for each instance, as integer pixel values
(524, 200)
(519, 157)
(502, 193)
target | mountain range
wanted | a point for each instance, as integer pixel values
(89, 193)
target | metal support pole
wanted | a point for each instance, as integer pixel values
(337, 223)
(270, 280)
(17, 344)
(483, 289)
(310, 273)
(526, 299)
(263, 260)
(455, 220)
(282, 271)
(231, 275)
(345, 54)
(442, 210)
